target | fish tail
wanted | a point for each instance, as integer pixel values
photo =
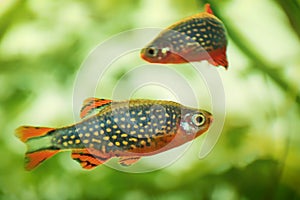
(28, 132)
(39, 145)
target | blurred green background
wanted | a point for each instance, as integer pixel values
(43, 44)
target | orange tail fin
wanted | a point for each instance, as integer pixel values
(27, 132)
(39, 146)
(32, 160)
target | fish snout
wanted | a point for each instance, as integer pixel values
(209, 118)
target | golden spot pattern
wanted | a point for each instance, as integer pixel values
(122, 128)
(207, 29)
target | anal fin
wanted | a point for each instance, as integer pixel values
(127, 161)
(89, 158)
(219, 58)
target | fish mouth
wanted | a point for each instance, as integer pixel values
(210, 117)
(143, 54)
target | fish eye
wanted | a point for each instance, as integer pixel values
(152, 51)
(198, 119)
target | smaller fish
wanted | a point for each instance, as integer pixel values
(127, 130)
(195, 38)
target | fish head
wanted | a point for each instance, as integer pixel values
(158, 51)
(193, 123)
(171, 46)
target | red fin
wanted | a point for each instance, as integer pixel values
(36, 158)
(27, 132)
(219, 58)
(127, 161)
(208, 9)
(92, 104)
(89, 158)
(38, 146)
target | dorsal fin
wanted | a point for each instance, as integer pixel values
(92, 106)
(208, 9)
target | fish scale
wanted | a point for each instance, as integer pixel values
(127, 130)
(206, 31)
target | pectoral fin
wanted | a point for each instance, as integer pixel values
(127, 161)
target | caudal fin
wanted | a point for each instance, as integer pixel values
(39, 146)
(27, 132)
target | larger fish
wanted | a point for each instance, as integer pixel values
(125, 129)
(195, 38)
